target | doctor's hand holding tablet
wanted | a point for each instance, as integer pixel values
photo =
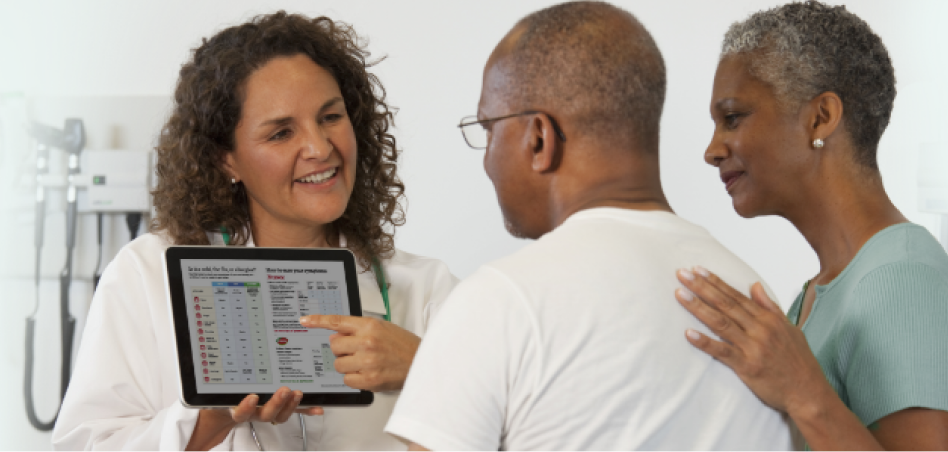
(218, 423)
(374, 355)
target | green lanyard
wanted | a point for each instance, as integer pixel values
(376, 268)
(380, 279)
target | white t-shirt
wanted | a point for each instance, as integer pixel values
(124, 392)
(577, 342)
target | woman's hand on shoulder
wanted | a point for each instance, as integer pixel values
(766, 351)
(374, 354)
(774, 360)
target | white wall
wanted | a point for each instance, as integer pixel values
(436, 52)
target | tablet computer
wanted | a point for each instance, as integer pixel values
(236, 310)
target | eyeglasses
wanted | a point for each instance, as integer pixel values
(476, 134)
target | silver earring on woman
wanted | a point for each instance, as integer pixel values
(233, 185)
(233, 181)
(817, 143)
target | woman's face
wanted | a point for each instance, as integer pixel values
(295, 146)
(760, 150)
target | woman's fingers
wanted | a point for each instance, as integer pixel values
(246, 409)
(718, 350)
(730, 292)
(289, 406)
(277, 410)
(311, 411)
(714, 319)
(346, 364)
(709, 294)
(759, 295)
(273, 407)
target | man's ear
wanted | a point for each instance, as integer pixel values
(542, 142)
(825, 116)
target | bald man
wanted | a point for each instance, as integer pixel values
(576, 342)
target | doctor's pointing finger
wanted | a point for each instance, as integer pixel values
(373, 354)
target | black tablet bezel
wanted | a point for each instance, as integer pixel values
(179, 305)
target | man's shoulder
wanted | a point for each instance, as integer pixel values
(602, 237)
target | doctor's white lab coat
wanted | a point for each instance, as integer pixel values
(124, 392)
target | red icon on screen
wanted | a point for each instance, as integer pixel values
(197, 307)
(205, 371)
(196, 299)
(200, 323)
(198, 315)
(201, 339)
(204, 363)
(202, 347)
(207, 379)
(203, 355)
(200, 331)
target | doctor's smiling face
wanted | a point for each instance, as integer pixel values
(760, 147)
(295, 147)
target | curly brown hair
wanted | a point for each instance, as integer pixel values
(194, 194)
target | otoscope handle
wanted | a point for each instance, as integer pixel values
(72, 212)
(28, 383)
(69, 329)
(42, 168)
(67, 321)
(39, 222)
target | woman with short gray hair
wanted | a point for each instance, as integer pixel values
(802, 95)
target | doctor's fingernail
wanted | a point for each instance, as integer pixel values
(686, 274)
(702, 271)
(692, 334)
(685, 295)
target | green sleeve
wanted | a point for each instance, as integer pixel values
(894, 349)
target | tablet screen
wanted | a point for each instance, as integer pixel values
(243, 319)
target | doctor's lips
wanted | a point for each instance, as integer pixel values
(318, 177)
(729, 178)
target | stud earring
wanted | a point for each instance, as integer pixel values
(817, 143)
(233, 181)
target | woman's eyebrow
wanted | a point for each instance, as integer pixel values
(725, 103)
(276, 121)
(282, 121)
(330, 103)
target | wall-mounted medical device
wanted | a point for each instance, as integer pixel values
(115, 181)
(933, 184)
(99, 182)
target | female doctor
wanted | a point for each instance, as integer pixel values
(278, 138)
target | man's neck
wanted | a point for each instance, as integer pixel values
(624, 191)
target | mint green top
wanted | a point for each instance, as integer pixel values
(880, 328)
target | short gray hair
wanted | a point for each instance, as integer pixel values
(611, 77)
(804, 49)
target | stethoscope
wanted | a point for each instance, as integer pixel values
(383, 287)
(71, 139)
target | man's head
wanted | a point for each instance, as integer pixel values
(592, 70)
